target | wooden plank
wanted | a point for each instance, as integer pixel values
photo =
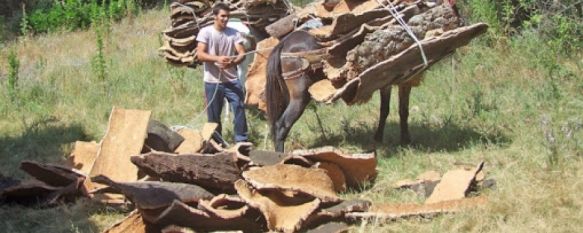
(124, 137)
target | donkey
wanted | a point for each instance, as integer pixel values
(287, 97)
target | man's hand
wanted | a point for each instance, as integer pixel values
(225, 62)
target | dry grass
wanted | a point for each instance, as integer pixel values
(501, 103)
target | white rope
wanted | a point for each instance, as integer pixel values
(393, 10)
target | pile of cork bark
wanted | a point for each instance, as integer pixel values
(179, 181)
(369, 44)
(189, 16)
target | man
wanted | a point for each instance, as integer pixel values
(221, 49)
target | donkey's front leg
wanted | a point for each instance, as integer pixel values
(385, 93)
(404, 94)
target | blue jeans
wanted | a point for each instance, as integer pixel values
(233, 92)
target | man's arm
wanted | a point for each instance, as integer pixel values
(203, 56)
(240, 54)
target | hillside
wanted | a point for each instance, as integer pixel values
(512, 103)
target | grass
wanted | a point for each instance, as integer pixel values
(506, 102)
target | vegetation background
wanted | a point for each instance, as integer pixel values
(513, 98)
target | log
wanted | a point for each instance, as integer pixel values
(213, 172)
(153, 195)
(162, 138)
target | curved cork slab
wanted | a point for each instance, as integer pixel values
(357, 168)
(311, 181)
(281, 214)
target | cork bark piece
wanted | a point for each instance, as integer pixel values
(181, 214)
(399, 68)
(330, 227)
(192, 143)
(322, 90)
(213, 172)
(280, 214)
(162, 138)
(337, 212)
(133, 223)
(28, 192)
(399, 211)
(423, 185)
(454, 184)
(357, 168)
(336, 174)
(225, 206)
(311, 181)
(154, 195)
(266, 158)
(256, 76)
(297, 160)
(83, 156)
(54, 175)
(125, 137)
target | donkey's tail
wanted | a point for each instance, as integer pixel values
(276, 91)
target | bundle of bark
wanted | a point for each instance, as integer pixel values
(50, 184)
(367, 47)
(189, 16)
(270, 191)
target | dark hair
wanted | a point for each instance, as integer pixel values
(220, 6)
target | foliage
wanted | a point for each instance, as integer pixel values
(12, 80)
(560, 23)
(77, 14)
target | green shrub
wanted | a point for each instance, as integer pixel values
(559, 23)
(77, 14)
(12, 80)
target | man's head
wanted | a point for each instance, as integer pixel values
(221, 12)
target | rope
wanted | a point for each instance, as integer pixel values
(393, 10)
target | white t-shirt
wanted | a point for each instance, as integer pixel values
(219, 43)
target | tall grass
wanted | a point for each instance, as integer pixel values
(512, 103)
